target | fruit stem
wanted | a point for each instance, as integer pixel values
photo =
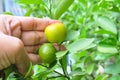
(59, 46)
(53, 70)
(64, 71)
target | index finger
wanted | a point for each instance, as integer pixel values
(32, 23)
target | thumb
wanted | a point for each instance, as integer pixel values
(22, 61)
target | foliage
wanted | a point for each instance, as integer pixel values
(92, 43)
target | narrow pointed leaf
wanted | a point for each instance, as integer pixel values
(62, 7)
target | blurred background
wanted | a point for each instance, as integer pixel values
(9, 6)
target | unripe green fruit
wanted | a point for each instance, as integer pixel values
(47, 53)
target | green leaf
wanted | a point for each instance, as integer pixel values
(63, 5)
(60, 54)
(107, 49)
(80, 44)
(78, 55)
(53, 64)
(101, 56)
(101, 31)
(31, 1)
(8, 70)
(107, 24)
(83, 32)
(91, 46)
(11, 76)
(42, 75)
(114, 78)
(64, 63)
(72, 34)
(8, 13)
(28, 13)
(53, 74)
(101, 77)
(77, 72)
(76, 77)
(59, 78)
(38, 68)
(113, 68)
(16, 76)
(119, 35)
(90, 68)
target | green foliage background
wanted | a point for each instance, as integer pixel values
(92, 43)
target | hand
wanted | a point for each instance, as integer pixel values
(19, 39)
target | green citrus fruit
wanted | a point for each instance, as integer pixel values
(47, 53)
(55, 33)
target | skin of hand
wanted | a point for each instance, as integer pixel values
(19, 39)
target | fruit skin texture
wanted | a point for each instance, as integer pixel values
(47, 53)
(55, 33)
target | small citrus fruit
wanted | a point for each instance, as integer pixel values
(47, 53)
(55, 33)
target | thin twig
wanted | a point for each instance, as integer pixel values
(53, 70)
(65, 72)
(58, 72)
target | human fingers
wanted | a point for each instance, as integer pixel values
(14, 25)
(34, 58)
(32, 49)
(32, 23)
(31, 38)
(13, 52)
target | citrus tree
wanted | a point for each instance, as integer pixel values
(92, 42)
